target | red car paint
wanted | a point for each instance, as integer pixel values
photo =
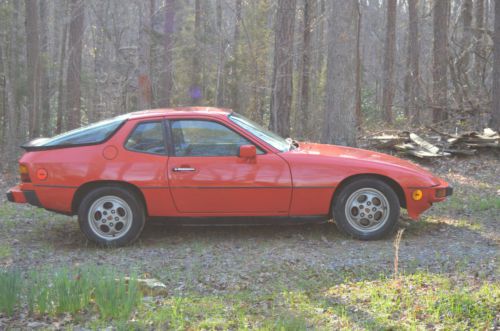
(300, 182)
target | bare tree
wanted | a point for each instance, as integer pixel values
(412, 88)
(302, 122)
(144, 88)
(282, 91)
(233, 72)
(440, 60)
(390, 55)
(45, 113)
(339, 125)
(196, 89)
(33, 58)
(73, 95)
(495, 105)
(60, 74)
(164, 98)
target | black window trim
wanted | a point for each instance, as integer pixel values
(170, 141)
(161, 121)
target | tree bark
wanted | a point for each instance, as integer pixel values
(33, 59)
(196, 90)
(302, 122)
(495, 104)
(60, 76)
(340, 114)
(440, 61)
(144, 87)
(234, 62)
(75, 63)
(479, 43)
(412, 92)
(389, 57)
(164, 98)
(219, 90)
(45, 113)
(282, 90)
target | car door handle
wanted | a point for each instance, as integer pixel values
(184, 169)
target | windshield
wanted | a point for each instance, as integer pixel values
(260, 132)
(90, 134)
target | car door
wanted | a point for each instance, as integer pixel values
(207, 176)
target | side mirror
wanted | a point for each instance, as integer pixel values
(248, 151)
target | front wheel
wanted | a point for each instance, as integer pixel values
(366, 209)
(111, 216)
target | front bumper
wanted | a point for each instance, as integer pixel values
(430, 195)
(17, 195)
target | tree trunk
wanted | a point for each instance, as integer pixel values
(196, 90)
(282, 91)
(495, 105)
(219, 91)
(466, 36)
(33, 59)
(144, 88)
(390, 55)
(302, 123)
(75, 63)
(45, 114)
(479, 43)
(60, 75)
(234, 63)
(440, 61)
(340, 114)
(412, 66)
(168, 44)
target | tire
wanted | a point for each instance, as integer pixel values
(366, 209)
(111, 216)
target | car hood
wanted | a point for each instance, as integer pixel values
(362, 155)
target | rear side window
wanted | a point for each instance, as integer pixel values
(88, 135)
(147, 138)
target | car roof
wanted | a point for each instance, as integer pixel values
(180, 111)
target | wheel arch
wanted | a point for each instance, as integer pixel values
(389, 181)
(84, 189)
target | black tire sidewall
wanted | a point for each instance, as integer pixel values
(340, 200)
(138, 215)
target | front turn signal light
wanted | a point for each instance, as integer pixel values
(441, 193)
(24, 172)
(417, 195)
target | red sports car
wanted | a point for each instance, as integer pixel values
(209, 165)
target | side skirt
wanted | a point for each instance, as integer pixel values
(242, 220)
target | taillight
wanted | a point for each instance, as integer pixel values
(25, 174)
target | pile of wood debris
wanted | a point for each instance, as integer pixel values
(437, 144)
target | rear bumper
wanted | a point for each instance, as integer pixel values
(17, 195)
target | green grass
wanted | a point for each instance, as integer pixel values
(5, 251)
(76, 292)
(10, 291)
(309, 299)
(116, 298)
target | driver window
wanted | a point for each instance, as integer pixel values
(147, 138)
(205, 138)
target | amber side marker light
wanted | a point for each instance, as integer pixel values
(25, 174)
(417, 195)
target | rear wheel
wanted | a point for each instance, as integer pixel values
(111, 216)
(366, 209)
